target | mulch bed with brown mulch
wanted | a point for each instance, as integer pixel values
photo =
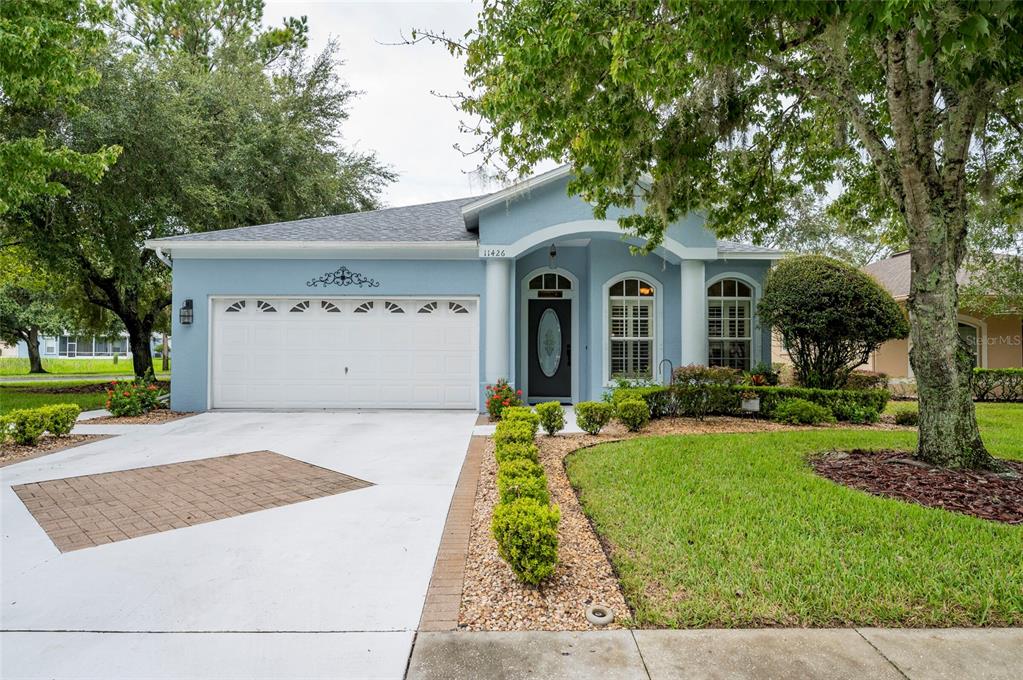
(896, 474)
(13, 453)
(155, 417)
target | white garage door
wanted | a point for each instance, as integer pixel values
(344, 353)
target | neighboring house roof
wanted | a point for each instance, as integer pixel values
(894, 272)
(428, 222)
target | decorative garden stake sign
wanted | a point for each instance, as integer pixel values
(343, 277)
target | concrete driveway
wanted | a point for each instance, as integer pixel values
(329, 587)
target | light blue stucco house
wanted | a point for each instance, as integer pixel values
(423, 306)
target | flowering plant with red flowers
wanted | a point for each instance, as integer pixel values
(500, 396)
(132, 398)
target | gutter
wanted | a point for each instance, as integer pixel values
(162, 257)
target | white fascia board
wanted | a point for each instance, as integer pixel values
(514, 190)
(752, 256)
(403, 250)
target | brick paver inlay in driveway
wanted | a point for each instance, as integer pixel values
(80, 512)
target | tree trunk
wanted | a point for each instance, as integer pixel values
(139, 336)
(35, 362)
(165, 353)
(942, 365)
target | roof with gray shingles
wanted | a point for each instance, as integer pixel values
(428, 222)
(438, 222)
(894, 274)
(726, 248)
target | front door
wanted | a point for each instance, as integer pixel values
(550, 349)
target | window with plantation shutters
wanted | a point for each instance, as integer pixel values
(631, 326)
(730, 324)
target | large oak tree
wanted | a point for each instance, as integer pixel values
(732, 108)
(238, 127)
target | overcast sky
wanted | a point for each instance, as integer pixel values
(396, 116)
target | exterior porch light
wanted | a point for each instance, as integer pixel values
(185, 313)
(553, 255)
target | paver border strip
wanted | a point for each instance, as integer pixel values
(444, 596)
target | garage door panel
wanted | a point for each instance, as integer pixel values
(300, 337)
(454, 366)
(297, 359)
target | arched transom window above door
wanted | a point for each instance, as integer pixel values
(549, 284)
(730, 324)
(631, 328)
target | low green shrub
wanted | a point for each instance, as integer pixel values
(854, 413)
(60, 418)
(839, 402)
(633, 413)
(508, 431)
(509, 451)
(522, 479)
(907, 416)
(699, 391)
(658, 399)
(697, 401)
(500, 396)
(23, 426)
(133, 398)
(526, 532)
(592, 416)
(522, 414)
(695, 374)
(866, 380)
(797, 411)
(998, 384)
(552, 417)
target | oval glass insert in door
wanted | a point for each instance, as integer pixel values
(548, 343)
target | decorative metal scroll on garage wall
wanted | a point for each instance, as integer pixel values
(343, 277)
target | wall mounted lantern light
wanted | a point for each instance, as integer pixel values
(553, 255)
(185, 313)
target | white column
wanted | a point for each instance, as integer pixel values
(498, 318)
(694, 313)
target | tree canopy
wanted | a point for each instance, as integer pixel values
(45, 48)
(913, 109)
(213, 137)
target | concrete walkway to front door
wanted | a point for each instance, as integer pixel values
(325, 580)
(764, 654)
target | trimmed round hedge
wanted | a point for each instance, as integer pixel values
(831, 317)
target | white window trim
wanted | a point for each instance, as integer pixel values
(528, 295)
(755, 340)
(658, 322)
(981, 327)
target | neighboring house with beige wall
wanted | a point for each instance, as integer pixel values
(999, 338)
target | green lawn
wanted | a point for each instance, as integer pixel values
(20, 395)
(736, 530)
(1001, 425)
(19, 366)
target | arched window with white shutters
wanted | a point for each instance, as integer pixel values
(730, 324)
